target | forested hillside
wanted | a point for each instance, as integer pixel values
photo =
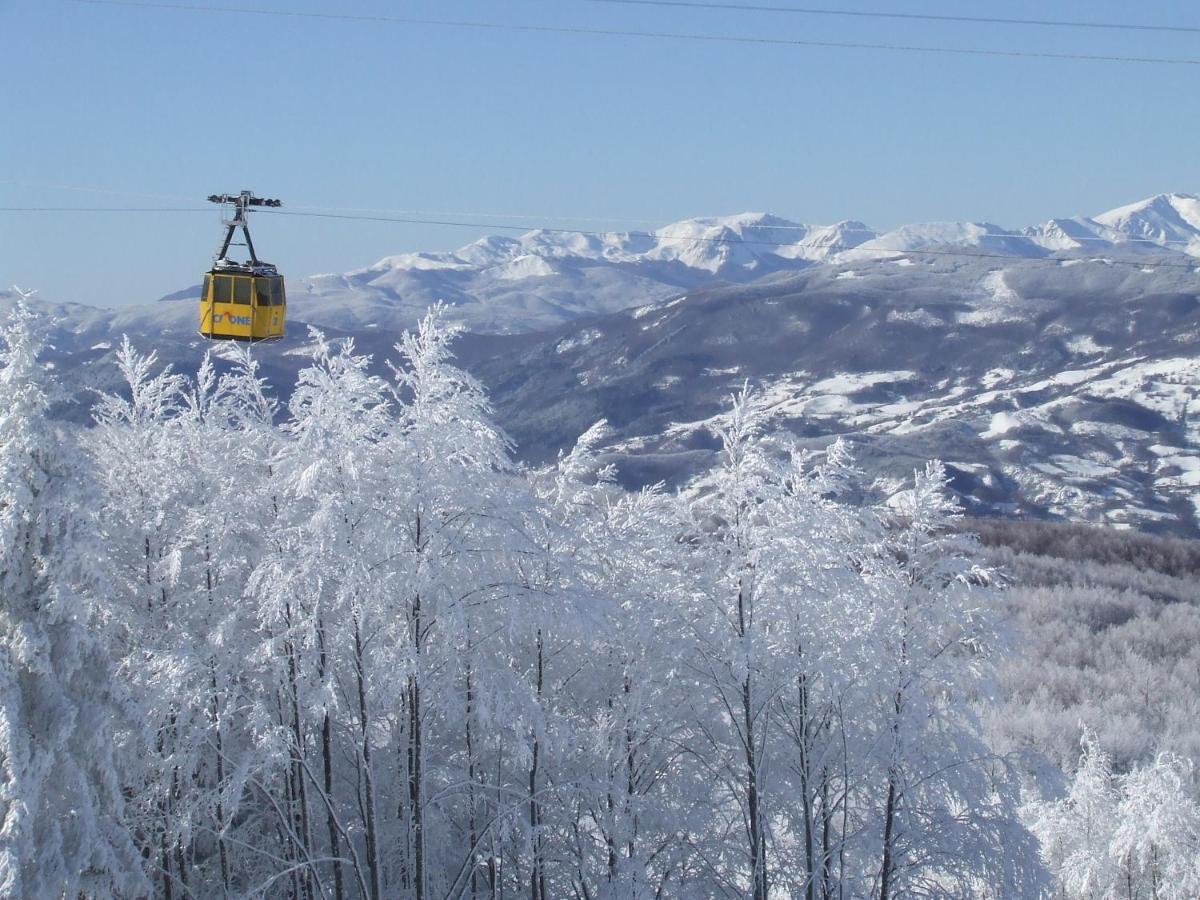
(1103, 688)
(1110, 625)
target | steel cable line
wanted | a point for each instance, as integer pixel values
(179, 198)
(917, 17)
(662, 35)
(704, 240)
(107, 209)
(533, 219)
(421, 217)
(450, 223)
(43, 186)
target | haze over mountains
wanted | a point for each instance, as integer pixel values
(1055, 368)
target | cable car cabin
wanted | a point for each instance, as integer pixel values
(243, 303)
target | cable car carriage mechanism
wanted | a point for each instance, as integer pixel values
(242, 301)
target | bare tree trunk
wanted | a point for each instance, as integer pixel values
(472, 824)
(610, 833)
(416, 746)
(801, 729)
(289, 838)
(537, 878)
(889, 813)
(495, 875)
(335, 849)
(826, 833)
(180, 862)
(418, 818)
(165, 855)
(889, 818)
(222, 852)
(369, 782)
(214, 715)
(404, 799)
(630, 774)
(164, 807)
(302, 823)
(888, 863)
(149, 579)
(845, 804)
(758, 853)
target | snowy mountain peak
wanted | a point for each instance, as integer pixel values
(1184, 207)
(736, 220)
(740, 224)
(1167, 219)
(416, 261)
(929, 235)
(1166, 222)
(1062, 234)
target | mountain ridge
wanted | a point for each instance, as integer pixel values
(535, 280)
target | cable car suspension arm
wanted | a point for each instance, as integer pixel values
(241, 205)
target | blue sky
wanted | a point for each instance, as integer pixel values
(162, 107)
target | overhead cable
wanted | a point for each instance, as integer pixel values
(659, 35)
(654, 235)
(532, 219)
(904, 16)
(685, 238)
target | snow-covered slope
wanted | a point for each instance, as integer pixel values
(1067, 391)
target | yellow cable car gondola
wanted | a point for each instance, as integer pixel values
(242, 301)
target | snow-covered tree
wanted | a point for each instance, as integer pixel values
(449, 526)
(737, 612)
(1122, 837)
(947, 809)
(63, 829)
(1076, 832)
(317, 592)
(1157, 839)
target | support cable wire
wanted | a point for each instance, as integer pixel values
(660, 35)
(904, 16)
(107, 209)
(179, 198)
(737, 241)
(448, 223)
(42, 186)
(533, 219)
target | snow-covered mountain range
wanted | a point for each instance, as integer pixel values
(543, 278)
(1056, 369)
